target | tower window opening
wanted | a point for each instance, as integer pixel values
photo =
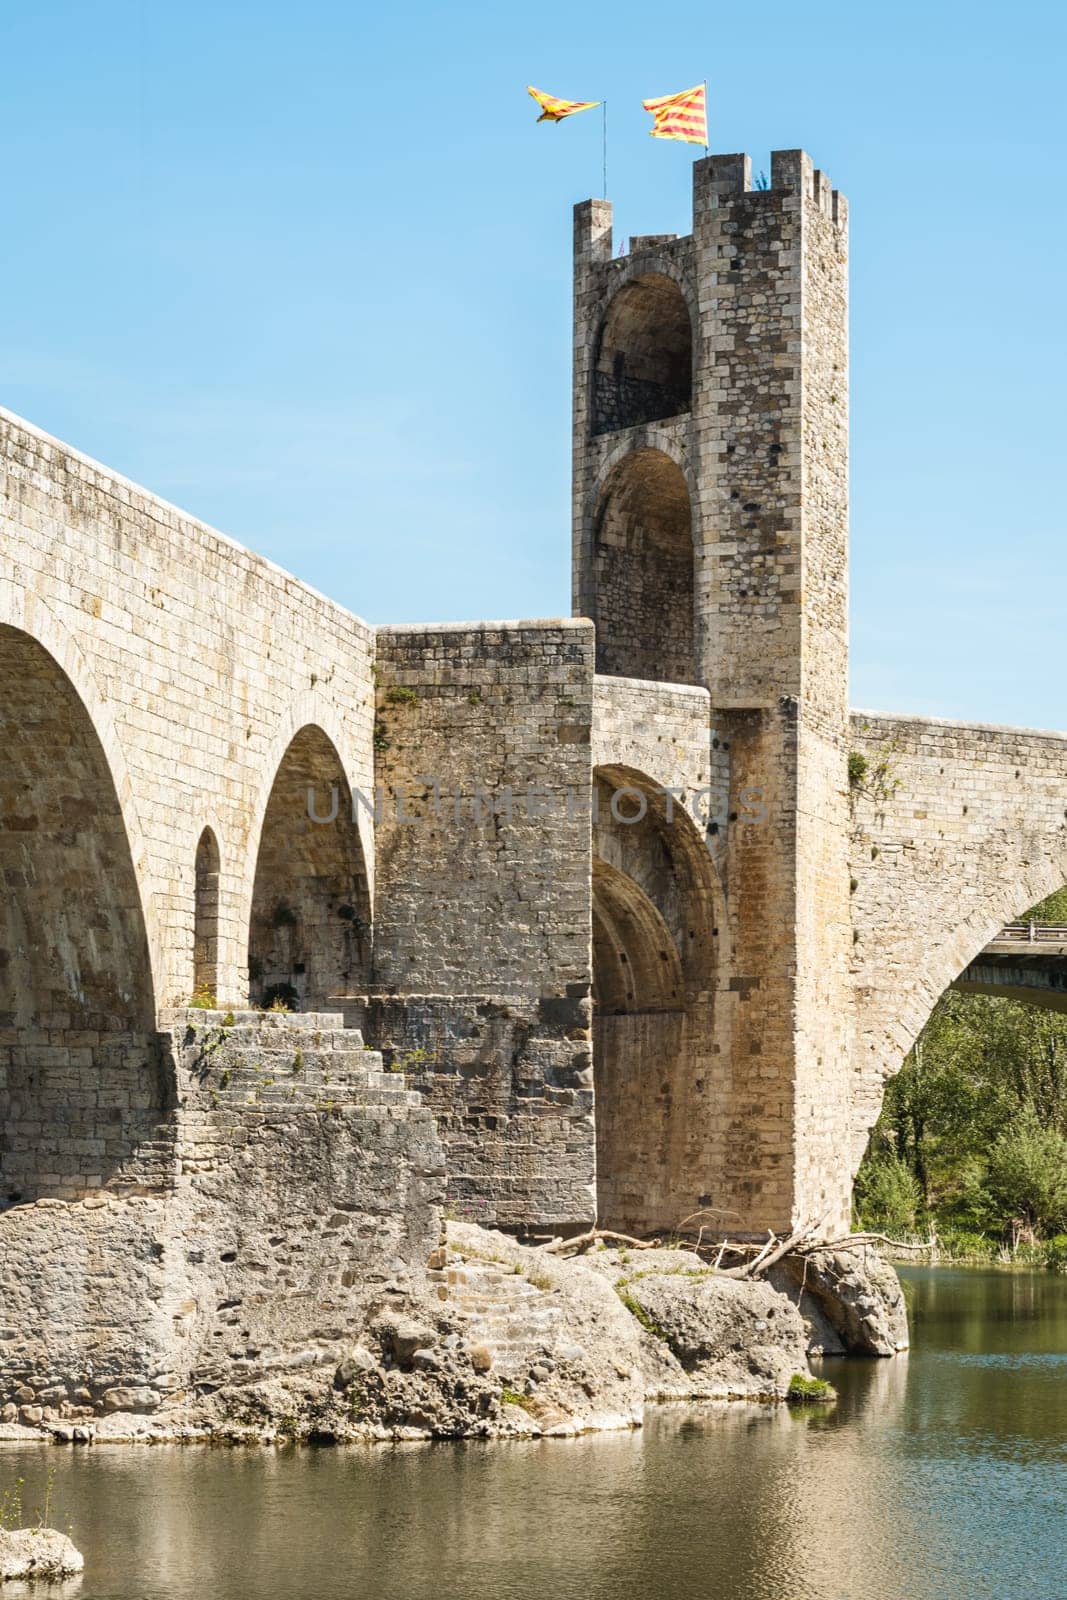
(643, 367)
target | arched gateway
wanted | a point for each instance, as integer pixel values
(654, 960)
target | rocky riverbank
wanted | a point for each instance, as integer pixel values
(493, 1339)
(43, 1553)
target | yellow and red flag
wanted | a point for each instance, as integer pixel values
(681, 116)
(554, 110)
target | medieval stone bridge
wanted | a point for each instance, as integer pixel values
(687, 998)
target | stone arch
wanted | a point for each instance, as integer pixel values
(655, 929)
(207, 864)
(643, 359)
(310, 919)
(883, 1041)
(635, 960)
(86, 1087)
(643, 598)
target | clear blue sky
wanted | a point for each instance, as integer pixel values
(305, 270)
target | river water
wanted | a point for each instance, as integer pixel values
(938, 1476)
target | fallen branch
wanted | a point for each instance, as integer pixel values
(748, 1269)
(854, 1240)
(582, 1241)
(773, 1251)
(770, 1253)
(706, 1211)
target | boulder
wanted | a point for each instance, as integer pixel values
(37, 1553)
(138, 1397)
(401, 1335)
(357, 1363)
(848, 1295)
(729, 1338)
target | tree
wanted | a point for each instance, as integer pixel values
(889, 1197)
(1027, 1176)
(973, 1129)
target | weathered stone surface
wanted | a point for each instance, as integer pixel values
(729, 1338)
(851, 1299)
(496, 1340)
(139, 1398)
(302, 1196)
(38, 1553)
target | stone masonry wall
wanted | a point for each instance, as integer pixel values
(482, 943)
(957, 829)
(772, 475)
(305, 1173)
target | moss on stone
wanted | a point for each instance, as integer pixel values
(809, 1391)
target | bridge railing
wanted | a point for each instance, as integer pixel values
(1032, 933)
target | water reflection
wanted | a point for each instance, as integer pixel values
(938, 1476)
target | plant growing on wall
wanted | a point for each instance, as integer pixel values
(875, 775)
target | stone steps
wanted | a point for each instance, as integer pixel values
(250, 1064)
(515, 1318)
(259, 1021)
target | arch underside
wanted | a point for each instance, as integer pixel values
(653, 974)
(309, 935)
(891, 1018)
(85, 1084)
(643, 600)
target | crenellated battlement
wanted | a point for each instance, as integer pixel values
(718, 180)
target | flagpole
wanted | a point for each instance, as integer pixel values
(705, 116)
(604, 106)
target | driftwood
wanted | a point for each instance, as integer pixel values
(767, 1255)
(853, 1241)
(583, 1241)
(804, 1241)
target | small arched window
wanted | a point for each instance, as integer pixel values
(206, 919)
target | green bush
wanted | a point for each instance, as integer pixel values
(1056, 1253)
(888, 1195)
(961, 1244)
(1027, 1175)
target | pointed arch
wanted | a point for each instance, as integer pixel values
(881, 1048)
(655, 896)
(27, 613)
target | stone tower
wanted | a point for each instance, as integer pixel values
(710, 548)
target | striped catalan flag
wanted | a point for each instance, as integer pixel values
(554, 110)
(681, 116)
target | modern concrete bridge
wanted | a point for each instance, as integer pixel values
(1026, 961)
